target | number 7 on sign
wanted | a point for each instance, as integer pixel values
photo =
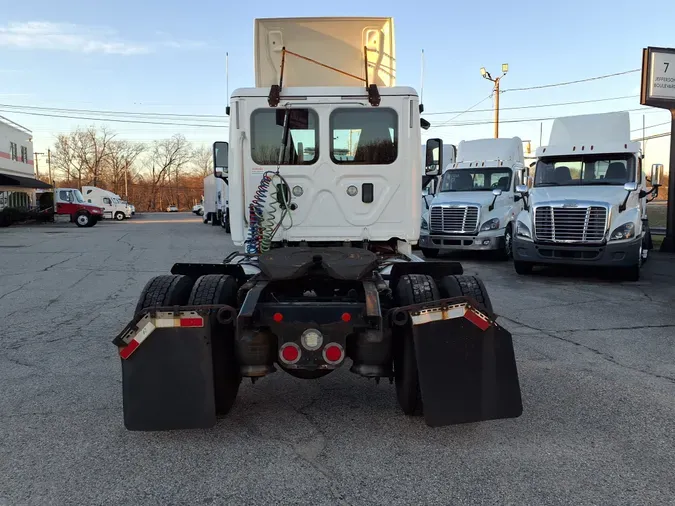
(667, 65)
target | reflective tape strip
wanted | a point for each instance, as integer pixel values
(166, 323)
(450, 313)
(141, 336)
(477, 319)
(437, 314)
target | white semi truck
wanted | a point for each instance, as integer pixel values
(475, 204)
(216, 206)
(588, 203)
(324, 166)
(113, 206)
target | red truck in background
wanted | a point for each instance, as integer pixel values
(70, 202)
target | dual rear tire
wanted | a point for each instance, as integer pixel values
(170, 290)
(416, 289)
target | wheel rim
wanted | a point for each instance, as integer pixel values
(507, 242)
(82, 219)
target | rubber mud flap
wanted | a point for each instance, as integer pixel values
(466, 374)
(167, 382)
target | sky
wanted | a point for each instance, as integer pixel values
(138, 57)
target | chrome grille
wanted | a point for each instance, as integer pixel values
(454, 219)
(575, 224)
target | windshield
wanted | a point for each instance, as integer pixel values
(585, 170)
(478, 179)
(78, 196)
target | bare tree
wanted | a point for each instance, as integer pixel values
(202, 159)
(64, 158)
(93, 150)
(168, 158)
(122, 155)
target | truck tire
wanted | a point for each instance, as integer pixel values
(506, 252)
(225, 222)
(430, 253)
(467, 286)
(410, 289)
(220, 289)
(214, 219)
(83, 219)
(119, 216)
(165, 290)
(523, 268)
(205, 217)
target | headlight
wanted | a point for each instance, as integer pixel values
(492, 224)
(425, 225)
(625, 231)
(522, 230)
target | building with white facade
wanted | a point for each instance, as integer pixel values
(18, 184)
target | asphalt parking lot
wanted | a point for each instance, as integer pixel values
(596, 360)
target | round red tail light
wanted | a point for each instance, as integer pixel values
(333, 353)
(290, 353)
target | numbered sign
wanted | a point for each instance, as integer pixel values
(658, 77)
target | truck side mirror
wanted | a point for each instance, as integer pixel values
(433, 165)
(657, 174)
(220, 159)
(523, 190)
(630, 188)
(496, 192)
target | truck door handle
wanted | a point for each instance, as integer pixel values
(367, 192)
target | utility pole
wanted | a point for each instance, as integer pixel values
(49, 165)
(126, 187)
(496, 81)
(37, 169)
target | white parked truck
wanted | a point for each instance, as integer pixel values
(324, 164)
(215, 199)
(113, 207)
(475, 204)
(588, 203)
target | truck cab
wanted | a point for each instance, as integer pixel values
(69, 203)
(113, 207)
(475, 203)
(588, 203)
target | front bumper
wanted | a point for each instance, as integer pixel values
(483, 241)
(623, 254)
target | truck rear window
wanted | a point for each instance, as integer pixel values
(267, 131)
(364, 136)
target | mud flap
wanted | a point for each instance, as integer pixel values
(466, 363)
(167, 371)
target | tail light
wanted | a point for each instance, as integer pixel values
(289, 353)
(333, 353)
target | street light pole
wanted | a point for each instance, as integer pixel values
(496, 81)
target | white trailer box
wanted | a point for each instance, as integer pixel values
(213, 195)
(336, 42)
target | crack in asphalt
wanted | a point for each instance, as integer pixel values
(132, 246)
(16, 289)
(49, 267)
(601, 354)
(300, 450)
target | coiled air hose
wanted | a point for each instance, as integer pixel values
(263, 223)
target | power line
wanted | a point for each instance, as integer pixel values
(467, 110)
(520, 120)
(566, 83)
(537, 106)
(114, 119)
(114, 113)
(652, 126)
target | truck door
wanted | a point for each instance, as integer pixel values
(348, 165)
